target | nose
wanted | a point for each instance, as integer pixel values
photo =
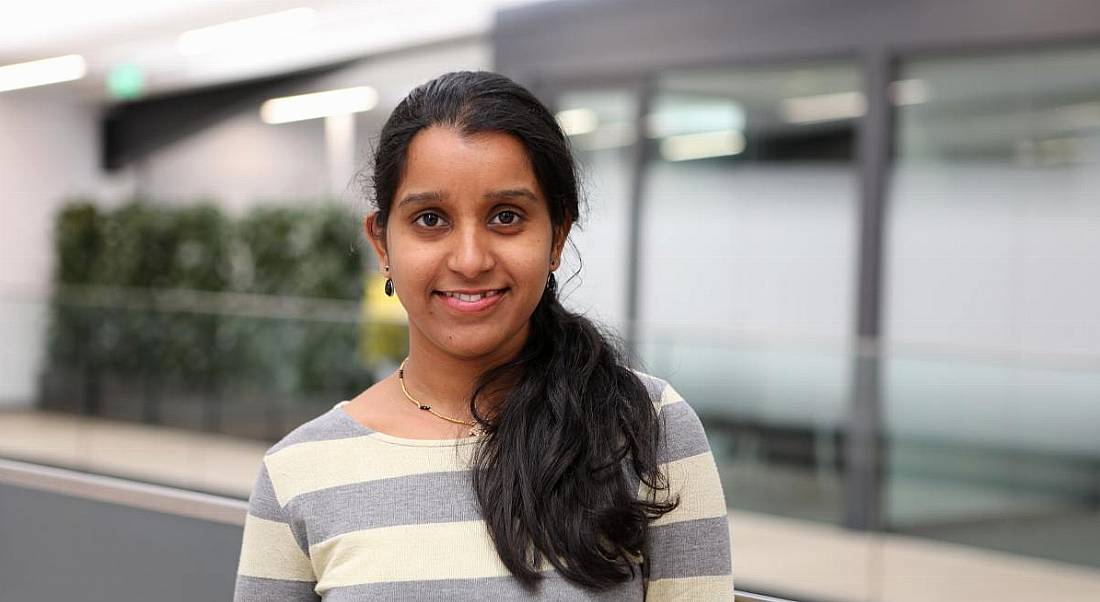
(471, 254)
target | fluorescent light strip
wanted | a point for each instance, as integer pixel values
(704, 145)
(575, 122)
(319, 104)
(909, 92)
(42, 72)
(606, 137)
(823, 107)
(849, 105)
(246, 32)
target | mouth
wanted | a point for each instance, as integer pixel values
(469, 301)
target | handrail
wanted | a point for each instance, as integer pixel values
(159, 498)
(113, 490)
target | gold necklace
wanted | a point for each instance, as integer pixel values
(474, 432)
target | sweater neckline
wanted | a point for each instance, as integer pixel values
(343, 415)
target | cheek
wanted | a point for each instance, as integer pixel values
(532, 267)
(412, 269)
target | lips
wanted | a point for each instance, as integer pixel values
(472, 296)
(471, 301)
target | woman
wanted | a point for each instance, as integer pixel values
(513, 456)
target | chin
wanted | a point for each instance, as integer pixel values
(472, 343)
(472, 351)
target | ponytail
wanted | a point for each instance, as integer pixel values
(561, 464)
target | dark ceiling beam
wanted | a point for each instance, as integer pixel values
(132, 130)
(579, 39)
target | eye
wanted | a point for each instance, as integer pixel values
(508, 218)
(428, 219)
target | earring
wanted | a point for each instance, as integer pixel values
(389, 287)
(552, 283)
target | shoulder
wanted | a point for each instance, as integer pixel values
(287, 466)
(333, 424)
(661, 392)
(290, 464)
(682, 432)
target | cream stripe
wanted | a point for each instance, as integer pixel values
(458, 550)
(313, 465)
(269, 550)
(669, 396)
(690, 588)
(696, 480)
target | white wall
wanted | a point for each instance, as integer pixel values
(243, 161)
(48, 152)
(237, 162)
(991, 304)
(748, 285)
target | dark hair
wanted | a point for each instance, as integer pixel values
(558, 472)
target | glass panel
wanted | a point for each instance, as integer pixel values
(180, 341)
(601, 128)
(748, 253)
(992, 384)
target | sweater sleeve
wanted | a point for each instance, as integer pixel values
(274, 563)
(688, 550)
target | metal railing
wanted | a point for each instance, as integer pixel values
(123, 492)
(159, 498)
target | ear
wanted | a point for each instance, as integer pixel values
(376, 233)
(561, 234)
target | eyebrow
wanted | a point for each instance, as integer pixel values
(512, 193)
(418, 198)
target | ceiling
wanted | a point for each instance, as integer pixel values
(144, 34)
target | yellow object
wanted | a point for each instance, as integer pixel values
(383, 331)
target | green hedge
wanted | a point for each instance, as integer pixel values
(134, 296)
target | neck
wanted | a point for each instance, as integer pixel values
(446, 381)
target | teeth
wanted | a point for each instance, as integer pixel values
(471, 298)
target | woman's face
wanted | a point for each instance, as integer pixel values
(469, 243)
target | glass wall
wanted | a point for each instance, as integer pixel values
(983, 398)
(748, 246)
(992, 383)
(601, 129)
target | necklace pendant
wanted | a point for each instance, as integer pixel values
(425, 407)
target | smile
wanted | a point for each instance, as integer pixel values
(471, 301)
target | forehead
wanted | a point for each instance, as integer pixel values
(443, 160)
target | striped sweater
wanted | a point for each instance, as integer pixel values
(340, 512)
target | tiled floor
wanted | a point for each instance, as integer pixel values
(211, 463)
(797, 558)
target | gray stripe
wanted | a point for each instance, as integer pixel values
(322, 428)
(262, 503)
(654, 385)
(259, 589)
(682, 433)
(694, 548)
(491, 589)
(436, 497)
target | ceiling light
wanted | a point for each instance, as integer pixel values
(319, 104)
(909, 92)
(607, 137)
(676, 116)
(246, 32)
(42, 72)
(823, 107)
(575, 122)
(704, 145)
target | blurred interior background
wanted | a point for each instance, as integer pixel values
(861, 237)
